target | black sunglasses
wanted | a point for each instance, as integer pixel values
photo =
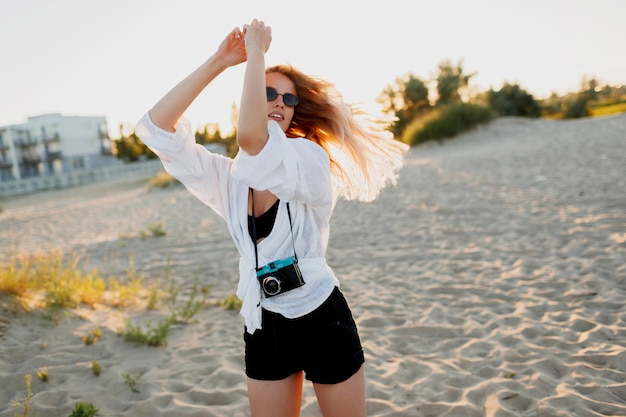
(289, 99)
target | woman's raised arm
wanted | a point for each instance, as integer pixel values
(168, 110)
(252, 125)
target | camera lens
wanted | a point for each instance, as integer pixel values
(271, 285)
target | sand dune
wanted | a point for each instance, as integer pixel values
(490, 282)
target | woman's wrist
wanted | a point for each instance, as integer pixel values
(256, 60)
(216, 63)
(255, 49)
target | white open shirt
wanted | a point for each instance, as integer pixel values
(297, 171)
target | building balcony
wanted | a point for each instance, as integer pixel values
(51, 156)
(25, 143)
(53, 138)
(31, 160)
(5, 164)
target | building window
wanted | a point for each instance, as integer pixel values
(78, 163)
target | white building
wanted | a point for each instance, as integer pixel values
(53, 144)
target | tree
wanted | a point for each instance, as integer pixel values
(577, 106)
(209, 133)
(405, 100)
(590, 86)
(451, 81)
(130, 148)
(512, 100)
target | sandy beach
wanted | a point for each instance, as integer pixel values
(491, 282)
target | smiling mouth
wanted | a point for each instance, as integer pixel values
(276, 116)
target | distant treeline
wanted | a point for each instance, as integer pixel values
(437, 108)
(447, 105)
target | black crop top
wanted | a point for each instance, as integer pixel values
(264, 223)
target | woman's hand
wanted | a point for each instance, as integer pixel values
(167, 111)
(257, 36)
(232, 50)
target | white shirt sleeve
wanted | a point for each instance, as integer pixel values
(294, 169)
(205, 174)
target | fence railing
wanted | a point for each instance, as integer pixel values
(80, 177)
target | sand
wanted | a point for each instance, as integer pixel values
(490, 282)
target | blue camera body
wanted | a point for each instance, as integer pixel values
(280, 276)
(275, 266)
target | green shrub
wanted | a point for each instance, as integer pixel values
(84, 410)
(96, 368)
(446, 122)
(151, 336)
(512, 100)
(577, 107)
(155, 229)
(232, 302)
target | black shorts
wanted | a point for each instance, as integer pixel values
(324, 344)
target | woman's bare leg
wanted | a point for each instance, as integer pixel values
(276, 398)
(346, 399)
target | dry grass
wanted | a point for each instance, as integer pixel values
(54, 280)
(606, 110)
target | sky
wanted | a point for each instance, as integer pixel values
(116, 58)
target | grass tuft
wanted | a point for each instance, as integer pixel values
(25, 403)
(132, 380)
(155, 229)
(96, 368)
(181, 312)
(151, 336)
(184, 311)
(232, 302)
(82, 409)
(43, 375)
(92, 337)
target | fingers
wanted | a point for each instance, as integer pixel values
(236, 33)
(256, 35)
(256, 24)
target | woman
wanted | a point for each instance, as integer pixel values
(299, 149)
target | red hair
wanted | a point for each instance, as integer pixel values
(364, 156)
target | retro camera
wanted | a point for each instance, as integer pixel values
(280, 276)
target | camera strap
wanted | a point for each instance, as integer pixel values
(256, 251)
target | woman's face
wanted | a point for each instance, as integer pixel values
(277, 109)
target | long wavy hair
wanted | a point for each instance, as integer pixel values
(364, 156)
